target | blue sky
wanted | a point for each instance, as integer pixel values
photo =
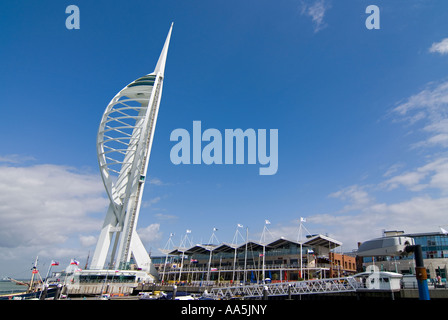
(361, 115)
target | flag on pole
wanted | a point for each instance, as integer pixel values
(73, 261)
(444, 231)
(188, 231)
(302, 219)
(215, 229)
(267, 221)
(240, 225)
(54, 263)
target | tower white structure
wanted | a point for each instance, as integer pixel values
(124, 143)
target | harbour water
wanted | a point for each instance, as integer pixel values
(10, 287)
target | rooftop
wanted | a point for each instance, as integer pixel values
(318, 240)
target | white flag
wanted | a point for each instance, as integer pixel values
(215, 229)
(188, 231)
(267, 221)
(240, 225)
(443, 230)
(302, 219)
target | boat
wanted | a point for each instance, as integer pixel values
(178, 296)
(36, 290)
(35, 295)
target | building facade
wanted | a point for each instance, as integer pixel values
(254, 262)
(435, 254)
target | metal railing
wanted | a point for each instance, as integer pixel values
(331, 285)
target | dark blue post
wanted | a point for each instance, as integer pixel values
(420, 271)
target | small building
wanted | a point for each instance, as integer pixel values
(383, 281)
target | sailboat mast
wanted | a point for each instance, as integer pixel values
(33, 272)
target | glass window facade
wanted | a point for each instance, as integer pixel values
(433, 245)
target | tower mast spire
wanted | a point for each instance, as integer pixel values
(124, 146)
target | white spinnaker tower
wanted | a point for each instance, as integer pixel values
(124, 145)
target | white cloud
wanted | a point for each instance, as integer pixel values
(355, 195)
(156, 181)
(440, 47)
(426, 207)
(409, 179)
(362, 217)
(431, 107)
(15, 158)
(87, 241)
(316, 10)
(418, 214)
(432, 175)
(45, 207)
(429, 100)
(162, 216)
(150, 202)
(150, 234)
(392, 169)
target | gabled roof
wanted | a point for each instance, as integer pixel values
(201, 249)
(282, 241)
(322, 241)
(252, 245)
(177, 251)
(311, 241)
(226, 247)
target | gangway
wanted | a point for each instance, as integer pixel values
(318, 286)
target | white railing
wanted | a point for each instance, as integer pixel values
(331, 285)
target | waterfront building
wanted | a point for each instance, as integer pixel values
(435, 255)
(255, 262)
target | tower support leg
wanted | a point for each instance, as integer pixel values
(104, 241)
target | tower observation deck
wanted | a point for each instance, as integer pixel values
(124, 141)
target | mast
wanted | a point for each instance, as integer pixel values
(33, 272)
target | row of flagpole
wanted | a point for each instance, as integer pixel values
(263, 242)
